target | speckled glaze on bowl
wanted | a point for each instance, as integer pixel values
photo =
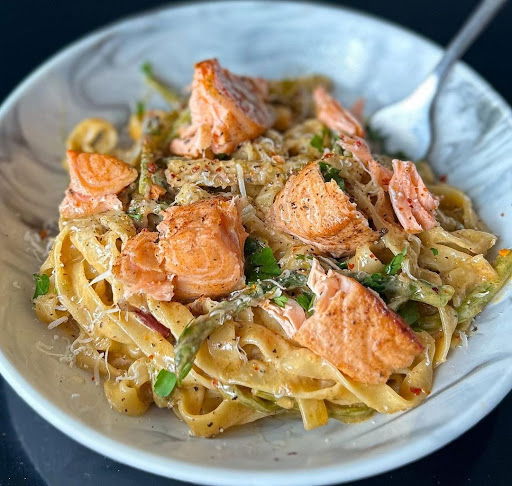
(99, 76)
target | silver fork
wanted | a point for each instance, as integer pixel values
(407, 124)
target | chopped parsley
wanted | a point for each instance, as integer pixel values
(222, 156)
(135, 214)
(342, 264)
(376, 281)
(280, 301)
(394, 265)
(323, 140)
(42, 284)
(330, 173)
(409, 312)
(305, 300)
(435, 251)
(317, 141)
(165, 383)
(260, 262)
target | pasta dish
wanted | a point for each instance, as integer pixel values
(252, 251)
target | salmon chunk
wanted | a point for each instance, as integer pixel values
(334, 116)
(202, 245)
(290, 317)
(97, 174)
(354, 329)
(139, 269)
(225, 109)
(75, 205)
(320, 214)
(361, 151)
(412, 202)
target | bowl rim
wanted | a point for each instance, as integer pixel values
(132, 456)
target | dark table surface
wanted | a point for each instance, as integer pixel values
(34, 453)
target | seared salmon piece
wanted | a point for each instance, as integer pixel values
(203, 245)
(225, 110)
(98, 174)
(139, 269)
(320, 214)
(361, 151)
(352, 327)
(75, 205)
(331, 113)
(290, 317)
(412, 202)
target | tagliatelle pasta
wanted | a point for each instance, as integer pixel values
(232, 355)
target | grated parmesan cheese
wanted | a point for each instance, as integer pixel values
(241, 181)
(57, 322)
(100, 277)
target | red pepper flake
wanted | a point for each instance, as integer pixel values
(215, 383)
(43, 234)
(351, 266)
(152, 168)
(150, 356)
(416, 391)
(443, 178)
(435, 289)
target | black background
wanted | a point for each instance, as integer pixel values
(31, 31)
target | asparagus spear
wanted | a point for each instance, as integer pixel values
(155, 130)
(168, 94)
(344, 413)
(474, 303)
(249, 400)
(201, 327)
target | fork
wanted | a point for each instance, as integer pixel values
(407, 124)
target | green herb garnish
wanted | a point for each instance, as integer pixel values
(330, 173)
(42, 284)
(317, 141)
(135, 214)
(165, 383)
(409, 312)
(435, 251)
(280, 301)
(305, 300)
(222, 156)
(260, 262)
(375, 281)
(342, 264)
(394, 265)
(323, 140)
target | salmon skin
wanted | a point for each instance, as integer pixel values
(320, 214)
(225, 110)
(333, 115)
(202, 245)
(412, 202)
(354, 329)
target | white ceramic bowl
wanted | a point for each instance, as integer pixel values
(99, 76)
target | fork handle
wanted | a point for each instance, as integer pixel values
(471, 29)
